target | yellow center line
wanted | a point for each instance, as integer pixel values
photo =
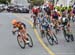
(38, 37)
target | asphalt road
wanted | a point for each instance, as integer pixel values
(8, 42)
(9, 45)
(63, 48)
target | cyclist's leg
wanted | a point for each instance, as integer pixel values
(34, 20)
(53, 21)
(57, 25)
(68, 27)
(43, 28)
(57, 21)
(24, 33)
(48, 28)
(43, 31)
(34, 23)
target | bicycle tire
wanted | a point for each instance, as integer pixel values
(49, 39)
(42, 34)
(30, 44)
(73, 19)
(72, 37)
(24, 44)
(55, 39)
(66, 36)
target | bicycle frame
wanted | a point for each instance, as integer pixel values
(21, 34)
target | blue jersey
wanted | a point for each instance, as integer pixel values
(43, 21)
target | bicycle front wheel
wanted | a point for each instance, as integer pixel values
(66, 35)
(21, 42)
(50, 39)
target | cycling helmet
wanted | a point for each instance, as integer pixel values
(14, 21)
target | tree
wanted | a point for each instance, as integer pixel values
(37, 2)
(5, 1)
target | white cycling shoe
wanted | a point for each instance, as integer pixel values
(27, 41)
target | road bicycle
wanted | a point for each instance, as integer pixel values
(22, 43)
(50, 38)
(68, 35)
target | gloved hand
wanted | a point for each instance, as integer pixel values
(13, 32)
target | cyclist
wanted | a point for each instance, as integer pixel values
(65, 22)
(45, 25)
(40, 20)
(21, 28)
(47, 10)
(34, 20)
(55, 20)
(35, 11)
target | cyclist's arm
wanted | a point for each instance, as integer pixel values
(15, 29)
(38, 20)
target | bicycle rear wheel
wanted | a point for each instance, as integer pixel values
(30, 44)
(21, 42)
(72, 37)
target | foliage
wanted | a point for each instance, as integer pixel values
(5, 1)
(63, 8)
(37, 2)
